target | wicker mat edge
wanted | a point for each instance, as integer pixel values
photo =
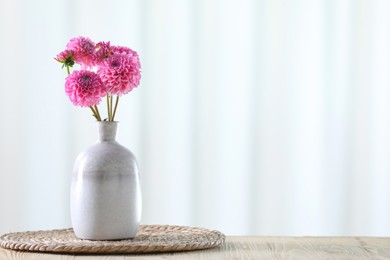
(149, 239)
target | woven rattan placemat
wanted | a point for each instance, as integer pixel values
(150, 238)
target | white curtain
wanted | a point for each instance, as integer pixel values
(253, 117)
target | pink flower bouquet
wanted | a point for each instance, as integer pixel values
(105, 71)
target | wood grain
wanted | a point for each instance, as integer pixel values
(252, 248)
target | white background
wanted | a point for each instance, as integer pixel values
(266, 117)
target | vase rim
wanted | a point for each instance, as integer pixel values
(107, 122)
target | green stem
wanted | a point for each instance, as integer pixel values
(111, 107)
(94, 113)
(116, 105)
(67, 69)
(108, 107)
(93, 110)
(97, 113)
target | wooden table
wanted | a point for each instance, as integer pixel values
(253, 248)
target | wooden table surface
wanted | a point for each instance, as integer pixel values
(253, 248)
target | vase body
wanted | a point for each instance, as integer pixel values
(105, 201)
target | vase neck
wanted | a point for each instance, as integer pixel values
(107, 130)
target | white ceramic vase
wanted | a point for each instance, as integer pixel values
(105, 201)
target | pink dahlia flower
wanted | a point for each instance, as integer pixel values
(123, 50)
(84, 88)
(66, 57)
(84, 50)
(120, 73)
(103, 51)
